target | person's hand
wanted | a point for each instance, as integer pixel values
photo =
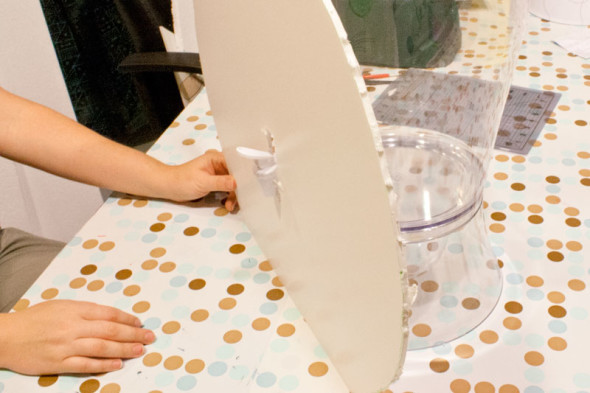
(199, 177)
(65, 336)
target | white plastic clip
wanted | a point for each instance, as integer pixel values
(265, 168)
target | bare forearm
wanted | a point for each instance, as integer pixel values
(42, 138)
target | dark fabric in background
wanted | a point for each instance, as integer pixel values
(91, 37)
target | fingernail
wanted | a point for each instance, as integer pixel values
(138, 349)
(117, 364)
(150, 337)
(137, 323)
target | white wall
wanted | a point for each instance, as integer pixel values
(30, 199)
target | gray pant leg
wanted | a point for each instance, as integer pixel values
(23, 257)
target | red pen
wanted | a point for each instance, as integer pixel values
(377, 76)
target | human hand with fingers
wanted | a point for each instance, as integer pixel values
(64, 336)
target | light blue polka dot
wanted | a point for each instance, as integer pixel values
(535, 242)
(241, 275)
(65, 253)
(223, 273)
(132, 236)
(152, 323)
(511, 338)
(471, 289)
(75, 241)
(449, 301)
(116, 211)
(568, 162)
(124, 223)
(574, 257)
(243, 237)
(181, 217)
(208, 232)
(535, 230)
(418, 342)
(442, 349)
(220, 316)
(576, 271)
(249, 263)
(534, 375)
(289, 382)
(114, 287)
(164, 379)
(268, 308)
(446, 316)
(279, 345)
(514, 278)
(578, 313)
(582, 380)
(68, 294)
(204, 271)
(123, 303)
(498, 205)
(240, 320)
(178, 281)
(534, 340)
(225, 352)
(455, 248)
(320, 352)
(535, 160)
(557, 326)
(61, 279)
(261, 278)
(217, 369)
(215, 221)
(573, 233)
(266, 380)
(518, 167)
(533, 389)
(450, 287)
(238, 372)
(291, 314)
(181, 312)
(169, 294)
(186, 382)
(149, 238)
(498, 251)
(67, 383)
(105, 271)
(97, 257)
(535, 294)
(166, 240)
(5, 374)
(536, 254)
(462, 367)
(553, 189)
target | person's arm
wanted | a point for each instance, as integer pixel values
(65, 336)
(40, 137)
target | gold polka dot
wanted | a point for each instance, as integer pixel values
(581, 123)
(265, 266)
(552, 179)
(157, 252)
(488, 336)
(188, 142)
(583, 154)
(194, 366)
(173, 362)
(502, 157)
(200, 315)
(140, 203)
(557, 343)
(124, 202)
(174, 124)
(470, 303)
(286, 330)
(158, 227)
(47, 380)
(171, 327)
(519, 159)
(317, 369)
(164, 216)
(152, 359)
(535, 209)
(571, 211)
(584, 172)
(535, 219)
(106, 246)
(200, 126)
(484, 387)
(497, 228)
(149, 264)
(421, 330)
(111, 388)
(464, 351)
(221, 211)
(237, 249)
(235, 289)
(88, 269)
(277, 282)
(585, 182)
(141, 307)
(556, 297)
(554, 244)
(429, 286)
(192, 118)
(553, 199)
(512, 323)
(513, 307)
(517, 186)
(49, 293)
(535, 281)
(89, 386)
(563, 107)
(228, 303)
(275, 294)
(95, 285)
(123, 274)
(555, 256)
(500, 176)
(197, 284)
(498, 216)
(77, 283)
(260, 324)
(516, 207)
(460, 386)
(191, 231)
(232, 336)
(22, 304)
(573, 222)
(508, 389)
(167, 267)
(88, 244)
(557, 311)
(132, 290)
(439, 365)
(534, 358)
(576, 285)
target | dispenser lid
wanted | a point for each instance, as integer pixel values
(299, 135)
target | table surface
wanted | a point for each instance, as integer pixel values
(224, 323)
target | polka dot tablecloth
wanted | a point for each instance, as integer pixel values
(224, 323)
